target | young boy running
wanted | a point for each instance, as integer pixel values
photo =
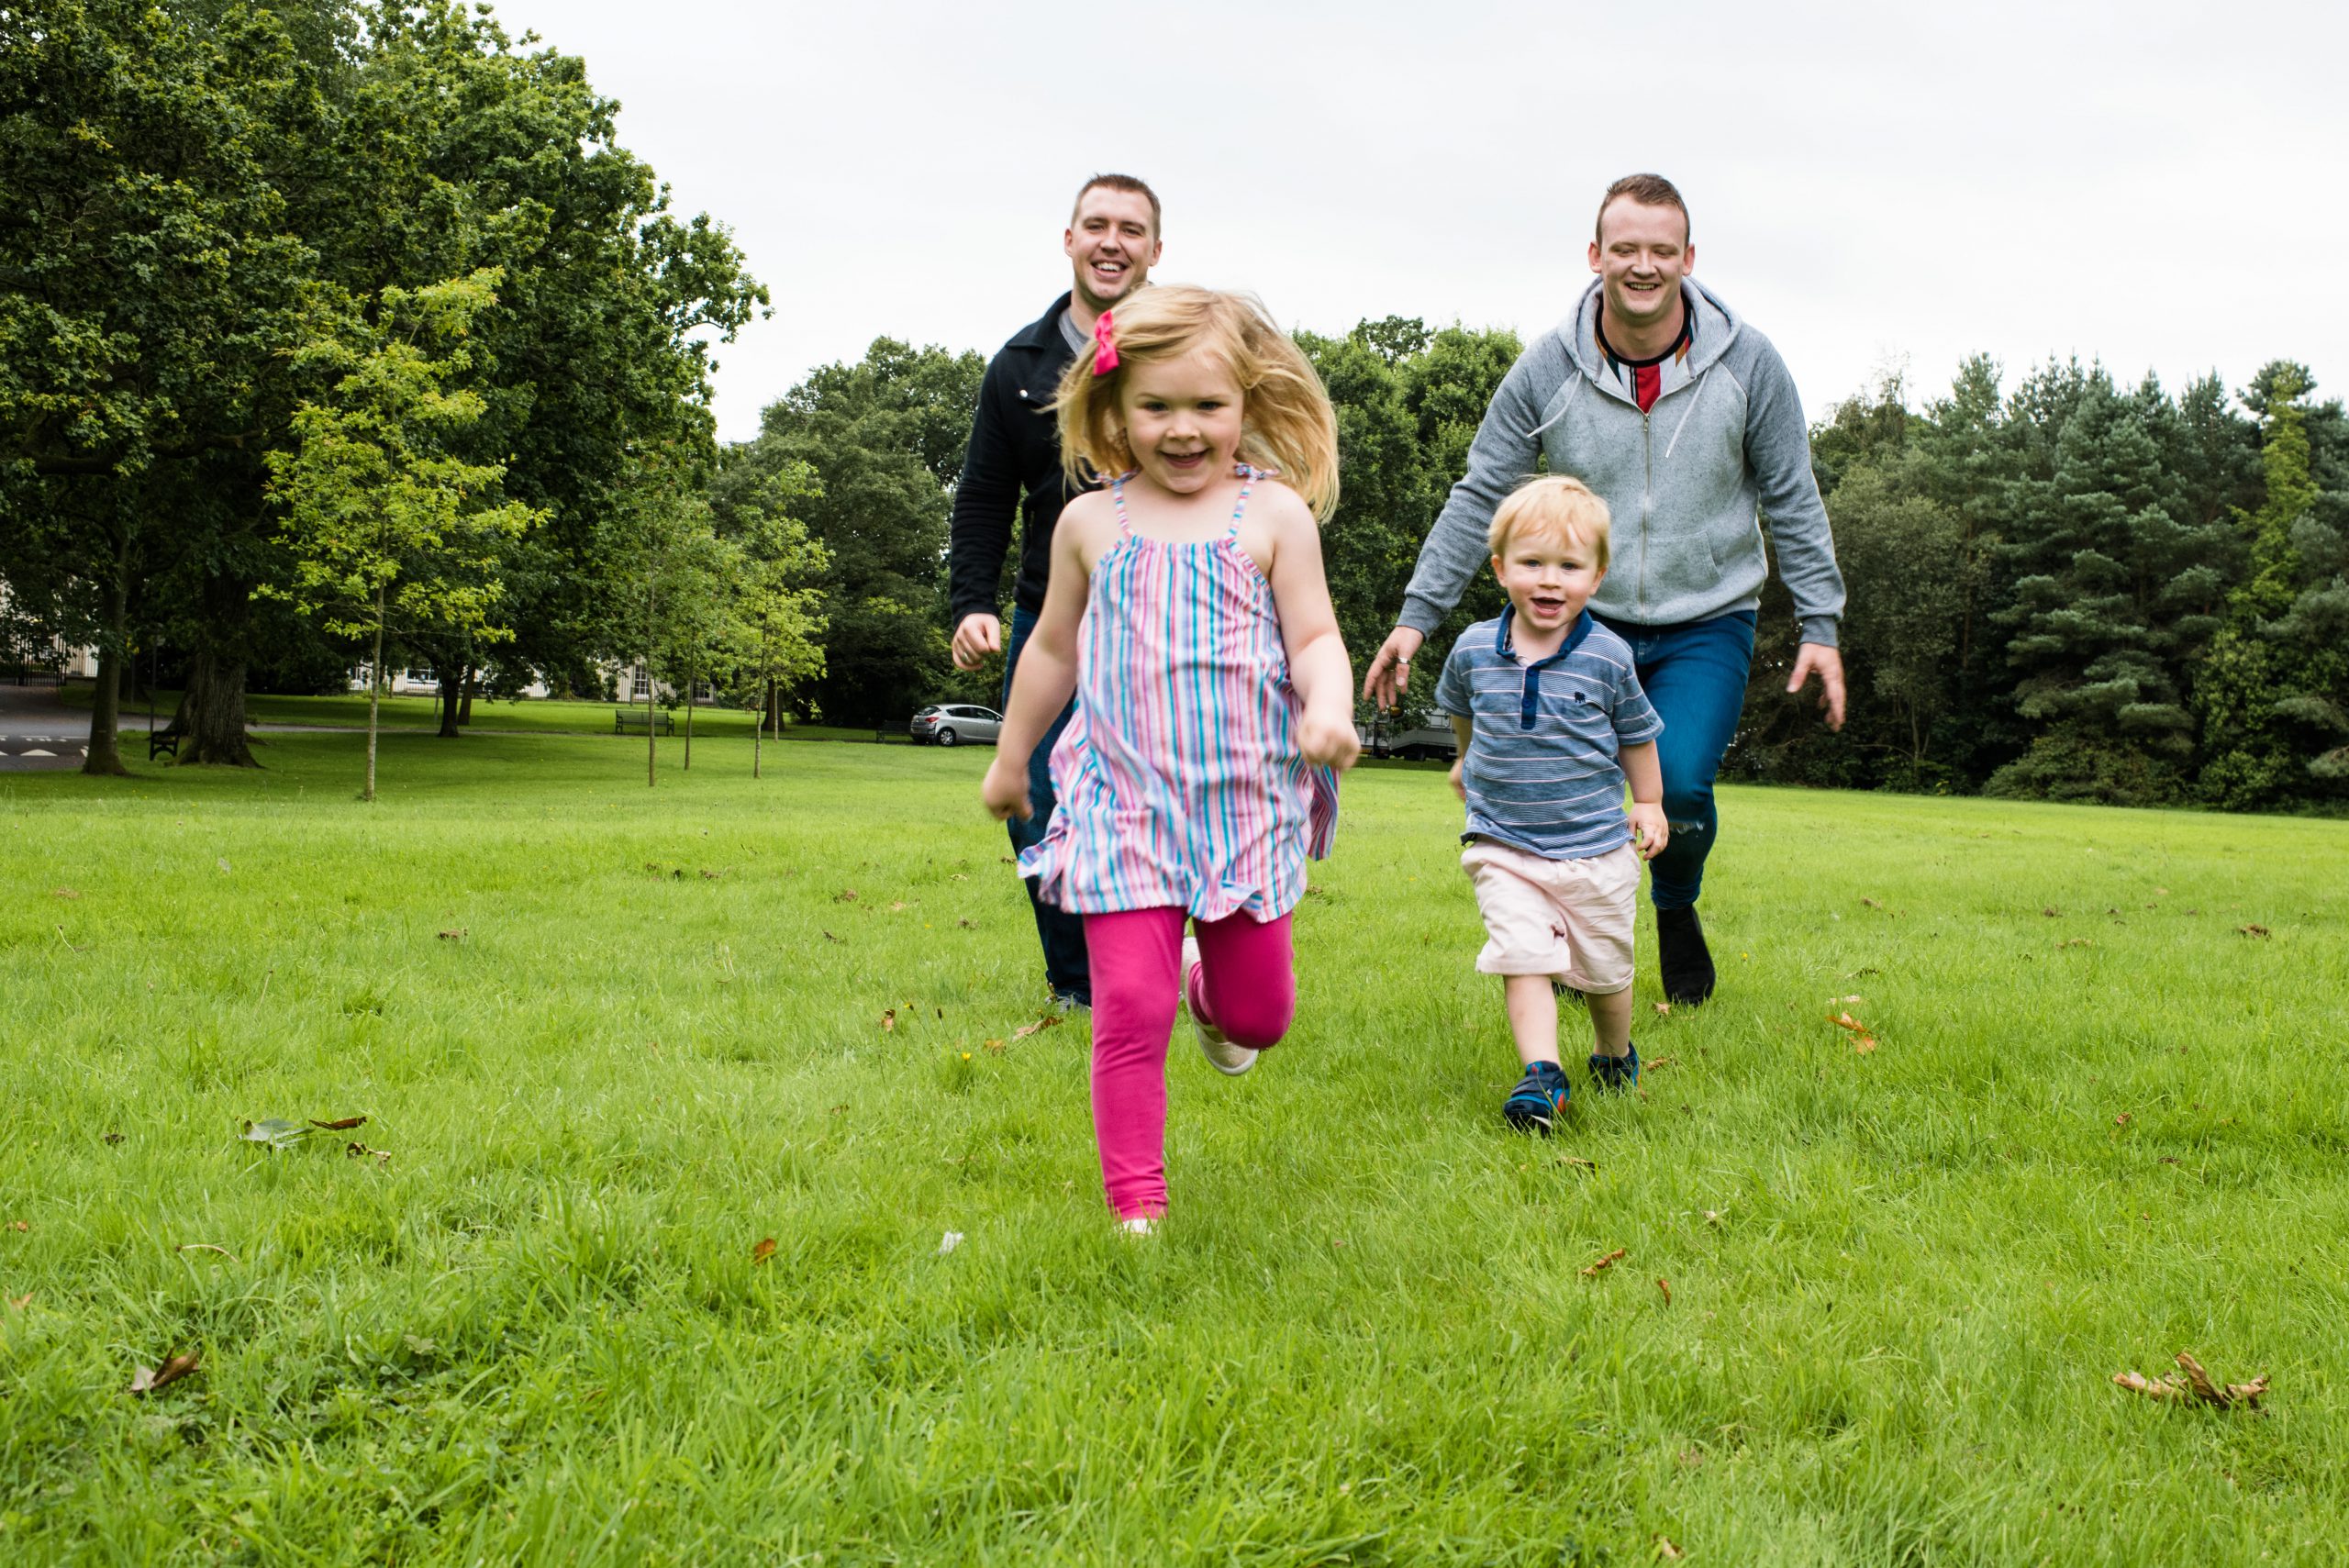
(1551, 722)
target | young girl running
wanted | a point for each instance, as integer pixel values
(1188, 609)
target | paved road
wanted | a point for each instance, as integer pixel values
(37, 732)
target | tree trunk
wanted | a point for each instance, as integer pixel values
(210, 722)
(690, 683)
(759, 730)
(651, 689)
(452, 684)
(106, 711)
(466, 703)
(375, 694)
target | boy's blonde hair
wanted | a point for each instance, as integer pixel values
(1553, 504)
(1287, 422)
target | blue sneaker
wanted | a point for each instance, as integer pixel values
(1539, 1100)
(1613, 1075)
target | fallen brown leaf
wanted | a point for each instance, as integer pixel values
(114, 1138)
(2252, 930)
(2073, 942)
(344, 1125)
(845, 895)
(2196, 1385)
(454, 934)
(2122, 1119)
(2050, 912)
(830, 937)
(63, 893)
(889, 1020)
(1871, 902)
(1662, 1009)
(1665, 1550)
(1845, 1021)
(996, 1046)
(1578, 1161)
(763, 1250)
(357, 1150)
(1048, 1021)
(1663, 1286)
(1663, 1061)
(21, 1301)
(1607, 1262)
(148, 1379)
(1861, 1044)
(18, 1224)
(897, 905)
(966, 925)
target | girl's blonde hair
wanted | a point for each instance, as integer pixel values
(1287, 422)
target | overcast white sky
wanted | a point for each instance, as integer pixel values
(2156, 185)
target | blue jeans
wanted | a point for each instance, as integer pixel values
(1694, 676)
(1067, 968)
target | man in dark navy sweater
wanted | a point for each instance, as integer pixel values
(1013, 464)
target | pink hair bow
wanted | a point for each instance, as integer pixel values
(1104, 347)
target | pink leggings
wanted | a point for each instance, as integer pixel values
(1245, 986)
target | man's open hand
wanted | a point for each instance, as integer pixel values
(1817, 658)
(1390, 672)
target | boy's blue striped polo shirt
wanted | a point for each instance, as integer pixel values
(1541, 771)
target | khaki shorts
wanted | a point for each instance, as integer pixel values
(1568, 919)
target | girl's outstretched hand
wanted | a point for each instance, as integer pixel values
(1327, 742)
(1004, 791)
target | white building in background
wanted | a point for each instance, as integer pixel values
(78, 662)
(629, 684)
(423, 681)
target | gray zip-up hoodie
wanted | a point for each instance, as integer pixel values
(1682, 483)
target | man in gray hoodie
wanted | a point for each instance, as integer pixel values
(1683, 418)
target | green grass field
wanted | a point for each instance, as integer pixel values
(612, 1040)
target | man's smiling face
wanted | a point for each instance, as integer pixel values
(1112, 243)
(1641, 255)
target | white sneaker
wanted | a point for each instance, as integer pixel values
(1140, 1225)
(1223, 1055)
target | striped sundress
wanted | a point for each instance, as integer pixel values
(1179, 779)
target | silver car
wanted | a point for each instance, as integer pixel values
(950, 724)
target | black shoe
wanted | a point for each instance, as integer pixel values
(1687, 963)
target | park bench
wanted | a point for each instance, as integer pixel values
(162, 741)
(627, 718)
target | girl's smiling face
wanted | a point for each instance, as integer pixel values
(1183, 420)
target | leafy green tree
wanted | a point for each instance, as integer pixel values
(884, 438)
(2115, 589)
(775, 626)
(1905, 557)
(154, 288)
(389, 529)
(2274, 696)
(1408, 400)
